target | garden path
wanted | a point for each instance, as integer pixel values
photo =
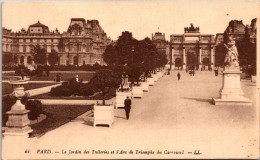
(173, 116)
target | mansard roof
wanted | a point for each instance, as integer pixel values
(38, 24)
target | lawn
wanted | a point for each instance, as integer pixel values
(8, 88)
(96, 96)
(64, 76)
(57, 115)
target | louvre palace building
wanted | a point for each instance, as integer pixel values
(83, 43)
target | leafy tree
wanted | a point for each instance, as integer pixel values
(40, 56)
(53, 57)
(122, 71)
(136, 71)
(105, 80)
(221, 51)
(7, 58)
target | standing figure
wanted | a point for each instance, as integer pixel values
(127, 107)
(22, 75)
(193, 72)
(77, 78)
(179, 76)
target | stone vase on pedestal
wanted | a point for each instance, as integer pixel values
(18, 122)
(231, 92)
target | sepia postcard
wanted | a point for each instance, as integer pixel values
(130, 80)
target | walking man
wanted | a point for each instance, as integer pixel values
(179, 75)
(127, 107)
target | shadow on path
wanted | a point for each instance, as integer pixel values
(119, 117)
(200, 100)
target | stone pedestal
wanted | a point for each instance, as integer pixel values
(184, 67)
(18, 122)
(231, 92)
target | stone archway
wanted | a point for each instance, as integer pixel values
(205, 61)
(178, 62)
(192, 60)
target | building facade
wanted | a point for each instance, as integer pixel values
(192, 50)
(161, 44)
(83, 42)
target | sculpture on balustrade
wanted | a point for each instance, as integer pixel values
(191, 29)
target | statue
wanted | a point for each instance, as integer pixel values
(191, 27)
(231, 58)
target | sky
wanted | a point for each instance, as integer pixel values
(142, 18)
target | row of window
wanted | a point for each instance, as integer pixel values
(38, 40)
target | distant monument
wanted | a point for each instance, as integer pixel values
(231, 92)
(191, 29)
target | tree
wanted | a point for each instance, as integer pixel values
(122, 71)
(221, 51)
(40, 56)
(7, 58)
(105, 80)
(136, 71)
(53, 57)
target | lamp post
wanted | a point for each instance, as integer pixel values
(170, 56)
(133, 49)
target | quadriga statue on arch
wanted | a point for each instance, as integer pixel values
(231, 58)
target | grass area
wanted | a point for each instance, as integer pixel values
(8, 88)
(97, 96)
(57, 115)
(64, 76)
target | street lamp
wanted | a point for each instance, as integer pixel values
(170, 56)
(133, 49)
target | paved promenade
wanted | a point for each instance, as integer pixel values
(174, 116)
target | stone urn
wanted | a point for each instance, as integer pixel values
(18, 122)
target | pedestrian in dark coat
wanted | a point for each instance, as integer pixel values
(127, 107)
(193, 72)
(179, 75)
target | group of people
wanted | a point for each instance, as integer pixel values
(192, 72)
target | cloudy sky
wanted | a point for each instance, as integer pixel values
(140, 17)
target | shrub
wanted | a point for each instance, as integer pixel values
(72, 87)
(86, 90)
(21, 68)
(7, 102)
(35, 107)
